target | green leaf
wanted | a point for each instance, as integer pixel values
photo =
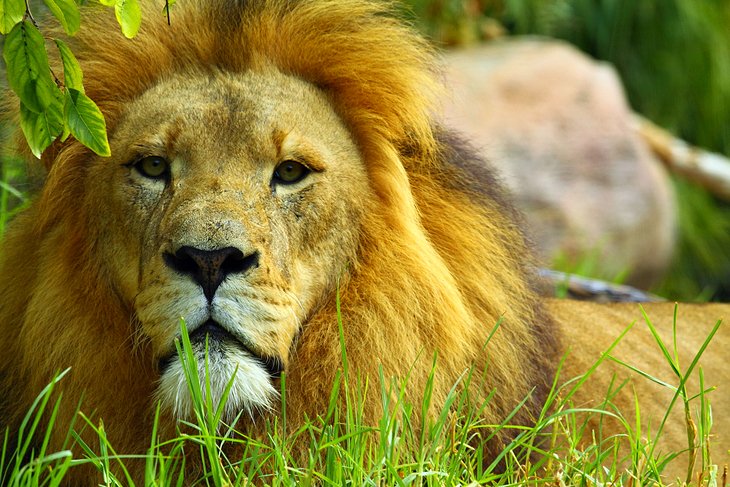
(108, 3)
(167, 8)
(85, 122)
(72, 75)
(67, 12)
(41, 129)
(11, 12)
(129, 17)
(27, 67)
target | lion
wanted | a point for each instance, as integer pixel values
(279, 182)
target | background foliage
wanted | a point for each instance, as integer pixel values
(673, 57)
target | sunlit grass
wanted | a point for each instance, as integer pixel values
(342, 449)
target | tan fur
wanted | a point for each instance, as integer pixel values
(589, 329)
(412, 232)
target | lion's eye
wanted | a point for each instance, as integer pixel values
(153, 167)
(290, 172)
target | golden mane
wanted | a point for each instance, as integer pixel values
(441, 258)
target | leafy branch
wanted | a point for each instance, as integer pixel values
(51, 108)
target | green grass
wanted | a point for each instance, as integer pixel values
(344, 450)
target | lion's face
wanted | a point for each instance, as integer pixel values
(232, 202)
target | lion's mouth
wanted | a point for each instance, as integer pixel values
(217, 336)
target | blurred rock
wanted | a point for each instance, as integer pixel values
(558, 126)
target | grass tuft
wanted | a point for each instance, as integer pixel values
(344, 450)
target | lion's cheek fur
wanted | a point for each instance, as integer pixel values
(74, 321)
(439, 329)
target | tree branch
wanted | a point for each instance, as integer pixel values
(708, 169)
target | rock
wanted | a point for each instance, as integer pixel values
(558, 126)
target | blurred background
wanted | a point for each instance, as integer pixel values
(671, 59)
(568, 98)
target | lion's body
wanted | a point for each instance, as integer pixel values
(589, 330)
(390, 214)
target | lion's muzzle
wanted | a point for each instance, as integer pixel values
(223, 319)
(210, 267)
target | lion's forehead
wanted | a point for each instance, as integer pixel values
(231, 112)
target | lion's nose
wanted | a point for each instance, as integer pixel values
(210, 267)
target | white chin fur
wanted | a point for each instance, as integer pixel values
(251, 391)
